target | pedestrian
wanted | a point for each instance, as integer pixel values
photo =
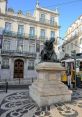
(69, 78)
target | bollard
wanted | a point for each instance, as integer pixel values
(32, 79)
(6, 87)
(19, 80)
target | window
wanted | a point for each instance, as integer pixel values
(52, 20)
(1, 31)
(32, 48)
(31, 65)
(68, 47)
(76, 32)
(41, 47)
(52, 34)
(81, 28)
(5, 63)
(42, 33)
(37, 45)
(81, 41)
(1, 39)
(6, 45)
(7, 26)
(71, 46)
(32, 31)
(20, 45)
(20, 29)
(76, 42)
(73, 33)
(42, 18)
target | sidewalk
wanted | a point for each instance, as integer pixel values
(17, 103)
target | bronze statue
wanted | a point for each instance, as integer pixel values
(48, 54)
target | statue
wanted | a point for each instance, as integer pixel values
(48, 54)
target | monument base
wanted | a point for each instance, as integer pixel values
(48, 88)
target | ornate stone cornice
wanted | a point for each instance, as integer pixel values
(28, 20)
(2, 0)
(48, 11)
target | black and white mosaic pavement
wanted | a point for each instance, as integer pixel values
(19, 103)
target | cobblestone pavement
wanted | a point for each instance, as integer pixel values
(19, 104)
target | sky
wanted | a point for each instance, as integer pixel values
(69, 10)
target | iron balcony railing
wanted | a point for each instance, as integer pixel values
(18, 53)
(32, 36)
(43, 38)
(5, 66)
(71, 38)
(74, 37)
(18, 35)
(49, 22)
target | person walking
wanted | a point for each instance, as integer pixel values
(69, 78)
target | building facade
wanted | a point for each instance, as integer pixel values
(73, 38)
(22, 37)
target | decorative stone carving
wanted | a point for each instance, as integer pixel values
(2, 0)
(20, 12)
(10, 10)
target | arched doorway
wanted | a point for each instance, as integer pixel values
(18, 68)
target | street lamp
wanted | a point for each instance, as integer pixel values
(73, 55)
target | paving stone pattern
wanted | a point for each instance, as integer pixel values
(19, 104)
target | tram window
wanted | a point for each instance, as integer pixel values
(70, 65)
(80, 66)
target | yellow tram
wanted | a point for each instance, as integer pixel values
(70, 63)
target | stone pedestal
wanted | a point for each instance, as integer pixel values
(48, 88)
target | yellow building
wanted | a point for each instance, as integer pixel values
(22, 37)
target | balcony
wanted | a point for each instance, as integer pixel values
(43, 38)
(16, 53)
(32, 36)
(14, 34)
(18, 35)
(5, 66)
(49, 22)
(70, 39)
(74, 37)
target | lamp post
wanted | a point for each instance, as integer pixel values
(73, 55)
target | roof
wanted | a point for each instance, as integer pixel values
(48, 10)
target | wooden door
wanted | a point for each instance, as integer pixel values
(18, 68)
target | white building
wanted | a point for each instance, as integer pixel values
(22, 39)
(73, 38)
